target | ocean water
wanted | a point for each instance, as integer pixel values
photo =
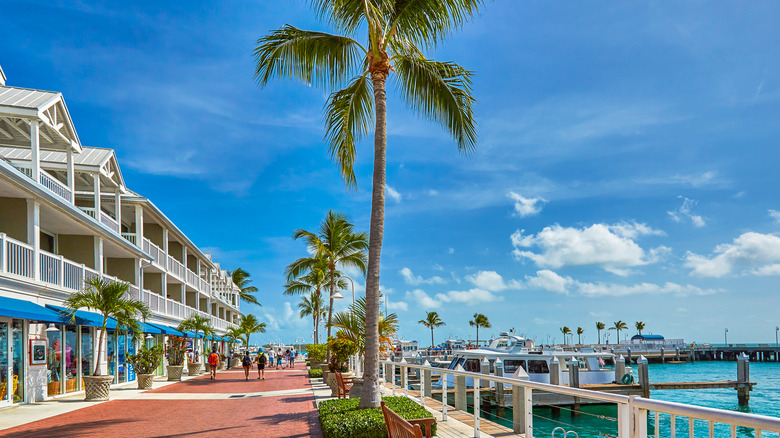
(600, 420)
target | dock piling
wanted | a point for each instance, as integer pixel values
(555, 379)
(484, 368)
(662, 354)
(620, 368)
(743, 379)
(460, 390)
(499, 371)
(644, 376)
(574, 382)
(628, 356)
(426, 386)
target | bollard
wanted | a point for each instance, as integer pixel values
(484, 368)
(522, 410)
(662, 354)
(555, 371)
(460, 390)
(644, 376)
(404, 376)
(743, 379)
(574, 382)
(677, 354)
(425, 387)
(499, 372)
(628, 356)
(620, 368)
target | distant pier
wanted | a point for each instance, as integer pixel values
(694, 352)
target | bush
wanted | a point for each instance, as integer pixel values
(317, 353)
(147, 360)
(175, 350)
(342, 418)
(313, 374)
(341, 349)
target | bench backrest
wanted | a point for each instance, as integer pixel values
(397, 427)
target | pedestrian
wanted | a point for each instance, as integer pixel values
(229, 357)
(279, 358)
(247, 363)
(292, 359)
(271, 362)
(214, 362)
(261, 365)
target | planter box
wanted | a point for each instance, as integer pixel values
(145, 381)
(97, 388)
(193, 369)
(174, 372)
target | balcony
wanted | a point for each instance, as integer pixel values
(52, 184)
(105, 219)
(158, 256)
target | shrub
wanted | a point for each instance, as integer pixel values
(341, 349)
(317, 353)
(316, 373)
(342, 418)
(175, 351)
(146, 360)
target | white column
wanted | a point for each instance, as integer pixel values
(96, 190)
(184, 256)
(118, 209)
(99, 254)
(164, 285)
(165, 246)
(35, 145)
(71, 176)
(139, 225)
(34, 234)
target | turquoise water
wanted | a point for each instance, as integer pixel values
(600, 420)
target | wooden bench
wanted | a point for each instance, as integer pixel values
(344, 384)
(399, 427)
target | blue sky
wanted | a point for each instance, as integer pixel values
(625, 167)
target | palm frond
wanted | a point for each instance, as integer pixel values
(317, 58)
(349, 116)
(428, 22)
(439, 91)
(348, 15)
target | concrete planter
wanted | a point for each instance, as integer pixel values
(207, 367)
(357, 388)
(235, 363)
(222, 365)
(174, 372)
(193, 368)
(97, 387)
(145, 381)
(333, 383)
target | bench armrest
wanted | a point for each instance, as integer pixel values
(425, 423)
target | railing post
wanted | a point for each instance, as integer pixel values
(426, 383)
(61, 273)
(460, 390)
(392, 377)
(624, 420)
(477, 403)
(404, 376)
(444, 389)
(522, 410)
(3, 254)
(638, 419)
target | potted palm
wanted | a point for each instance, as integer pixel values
(175, 352)
(341, 349)
(196, 323)
(234, 333)
(106, 297)
(144, 363)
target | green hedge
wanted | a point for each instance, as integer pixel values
(341, 418)
(315, 373)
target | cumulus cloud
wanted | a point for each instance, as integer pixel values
(611, 247)
(685, 212)
(423, 299)
(397, 305)
(415, 280)
(491, 281)
(392, 193)
(552, 282)
(526, 206)
(750, 254)
(549, 281)
(469, 297)
(774, 214)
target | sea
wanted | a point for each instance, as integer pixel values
(601, 420)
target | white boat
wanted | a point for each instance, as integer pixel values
(521, 358)
(404, 348)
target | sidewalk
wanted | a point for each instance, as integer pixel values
(282, 405)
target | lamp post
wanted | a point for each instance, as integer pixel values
(726, 336)
(353, 287)
(777, 329)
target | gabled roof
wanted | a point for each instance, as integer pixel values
(91, 159)
(19, 106)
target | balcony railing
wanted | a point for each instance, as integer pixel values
(158, 256)
(105, 219)
(130, 237)
(176, 268)
(16, 257)
(51, 183)
(192, 278)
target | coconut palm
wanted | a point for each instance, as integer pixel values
(618, 325)
(241, 278)
(431, 321)
(312, 306)
(352, 326)
(639, 326)
(479, 320)
(233, 334)
(248, 324)
(337, 243)
(580, 331)
(439, 91)
(107, 298)
(566, 331)
(599, 327)
(197, 323)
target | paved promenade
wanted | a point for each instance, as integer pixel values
(282, 405)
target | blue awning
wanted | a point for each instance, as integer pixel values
(193, 335)
(84, 317)
(166, 330)
(149, 328)
(13, 308)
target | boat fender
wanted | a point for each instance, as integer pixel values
(627, 379)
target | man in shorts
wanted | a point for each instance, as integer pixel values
(261, 365)
(279, 359)
(213, 362)
(247, 363)
(271, 362)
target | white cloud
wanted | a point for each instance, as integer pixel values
(450, 250)
(470, 297)
(550, 281)
(609, 246)
(392, 193)
(775, 215)
(438, 267)
(750, 253)
(553, 282)
(415, 280)
(527, 206)
(491, 281)
(685, 211)
(432, 192)
(423, 299)
(397, 305)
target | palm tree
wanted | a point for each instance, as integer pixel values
(312, 306)
(599, 327)
(479, 320)
(566, 331)
(440, 91)
(241, 279)
(337, 243)
(197, 323)
(619, 325)
(248, 324)
(431, 321)
(352, 326)
(580, 331)
(107, 298)
(234, 333)
(639, 326)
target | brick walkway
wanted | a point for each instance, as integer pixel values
(282, 405)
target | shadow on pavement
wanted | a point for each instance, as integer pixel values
(209, 432)
(68, 430)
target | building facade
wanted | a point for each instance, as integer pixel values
(66, 216)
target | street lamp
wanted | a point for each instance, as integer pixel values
(726, 336)
(353, 287)
(777, 329)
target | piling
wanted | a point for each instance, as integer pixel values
(743, 379)
(499, 372)
(628, 356)
(620, 368)
(677, 354)
(484, 368)
(404, 375)
(426, 388)
(574, 382)
(460, 390)
(555, 379)
(644, 376)
(662, 354)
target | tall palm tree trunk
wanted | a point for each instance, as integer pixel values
(478, 335)
(431, 337)
(330, 308)
(370, 397)
(100, 346)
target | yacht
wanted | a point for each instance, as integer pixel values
(404, 348)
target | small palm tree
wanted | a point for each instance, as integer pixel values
(639, 326)
(352, 326)
(431, 321)
(599, 327)
(248, 324)
(197, 323)
(107, 298)
(566, 331)
(580, 331)
(479, 320)
(234, 333)
(241, 279)
(619, 325)
(313, 306)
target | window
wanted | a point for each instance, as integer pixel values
(510, 366)
(538, 366)
(471, 365)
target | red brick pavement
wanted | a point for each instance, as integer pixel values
(234, 382)
(282, 416)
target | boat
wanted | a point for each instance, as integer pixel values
(404, 348)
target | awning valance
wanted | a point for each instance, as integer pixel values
(13, 308)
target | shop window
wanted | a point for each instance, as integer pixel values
(17, 349)
(54, 365)
(71, 359)
(87, 361)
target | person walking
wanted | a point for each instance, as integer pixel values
(247, 363)
(229, 358)
(271, 362)
(292, 358)
(261, 365)
(279, 359)
(213, 363)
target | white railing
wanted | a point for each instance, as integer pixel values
(632, 411)
(73, 275)
(204, 286)
(56, 187)
(50, 269)
(176, 268)
(16, 257)
(108, 221)
(158, 256)
(192, 279)
(130, 237)
(25, 170)
(89, 211)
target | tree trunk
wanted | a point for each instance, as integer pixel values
(370, 397)
(330, 308)
(431, 337)
(478, 336)
(100, 348)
